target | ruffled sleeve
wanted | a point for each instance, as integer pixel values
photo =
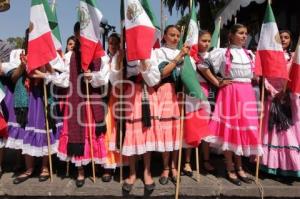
(152, 74)
(101, 77)
(61, 79)
(215, 59)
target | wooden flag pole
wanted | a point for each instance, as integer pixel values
(260, 127)
(90, 128)
(180, 137)
(180, 145)
(121, 103)
(47, 132)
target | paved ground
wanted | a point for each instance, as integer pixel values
(209, 187)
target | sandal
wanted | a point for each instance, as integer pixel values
(163, 180)
(187, 170)
(235, 181)
(22, 178)
(245, 179)
(174, 178)
(44, 175)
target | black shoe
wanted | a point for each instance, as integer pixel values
(43, 178)
(127, 187)
(20, 179)
(174, 179)
(207, 171)
(106, 178)
(150, 187)
(235, 181)
(163, 180)
(80, 183)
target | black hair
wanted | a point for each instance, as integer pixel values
(166, 31)
(234, 29)
(115, 35)
(76, 27)
(203, 32)
(70, 38)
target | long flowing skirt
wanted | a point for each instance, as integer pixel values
(138, 139)
(234, 122)
(99, 149)
(33, 139)
(282, 149)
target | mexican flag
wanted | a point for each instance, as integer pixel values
(90, 18)
(139, 31)
(295, 71)
(193, 34)
(41, 49)
(188, 73)
(150, 13)
(215, 38)
(270, 61)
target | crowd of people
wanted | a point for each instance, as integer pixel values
(152, 100)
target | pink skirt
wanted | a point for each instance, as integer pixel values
(169, 118)
(138, 139)
(234, 123)
(99, 149)
(282, 149)
(197, 114)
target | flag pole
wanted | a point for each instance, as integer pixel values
(180, 145)
(180, 137)
(90, 128)
(121, 100)
(261, 121)
(47, 132)
(260, 126)
(161, 18)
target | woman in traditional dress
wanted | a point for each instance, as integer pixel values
(141, 115)
(169, 60)
(27, 118)
(74, 141)
(234, 122)
(197, 111)
(282, 146)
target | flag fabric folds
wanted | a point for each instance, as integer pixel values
(139, 31)
(41, 48)
(270, 61)
(90, 43)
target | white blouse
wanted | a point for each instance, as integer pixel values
(99, 78)
(240, 70)
(151, 75)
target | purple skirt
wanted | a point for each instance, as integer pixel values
(33, 139)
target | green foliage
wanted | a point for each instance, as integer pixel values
(16, 41)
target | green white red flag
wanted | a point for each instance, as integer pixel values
(90, 43)
(41, 48)
(147, 7)
(139, 31)
(270, 61)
